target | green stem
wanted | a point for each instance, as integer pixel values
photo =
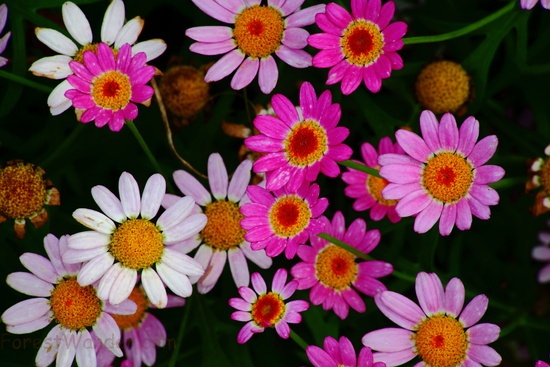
(301, 342)
(174, 356)
(147, 152)
(509, 182)
(29, 83)
(361, 167)
(63, 146)
(463, 31)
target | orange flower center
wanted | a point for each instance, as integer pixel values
(441, 341)
(111, 90)
(289, 216)
(443, 86)
(306, 143)
(335, 267)
(73, 306)
(22, 190)
(223, 229)
(137, 244)
(268, 309)
(447, 177)
(362, 42)
(375, 185)
(259, 31)
(132, 321)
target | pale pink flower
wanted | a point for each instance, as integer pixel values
(3, 40)
(340, 353)
(529, 4)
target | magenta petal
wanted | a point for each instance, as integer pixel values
(429, 126)
(338, 15)
(427, 218)
(399, 309)
(469, 132)
(429, 292)
(130, 112)
(245, 73)
(386, 14)
(326, 25)
(448, 219)
(484, 355)
(268, 74)
(285, 110)
(474, 311)
(413, 145)
(483, 150)
(224, 66)
(141, 93)
(448, 132)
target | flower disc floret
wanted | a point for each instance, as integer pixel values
(111, 90)
(441, 341)
(306, 143)
(22, 190)
(137, 243)
(362, 42)
(73, 306)
(448, 177)
(336, 267)
(259, 31)
(289, 216)
(268, 310)
(223, 230)
(375, 186)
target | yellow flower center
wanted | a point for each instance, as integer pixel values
(22, 190)
(111, 90)
(335, 267)
(441, 341)
(443, 86)
(545, 176)
(268, 309)
(223, 230)
(132, 321)
(137, 244)
(79, 56)
(73, 306)
(259, 31)
(447, 177)
(362, 42)
(289, 216)
(375, 185)
(306, 143)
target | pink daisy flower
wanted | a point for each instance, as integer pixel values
(142, 332)
(443, 174)
(340, 353)
(261, 309)
(223, 238)
(542, 253)
(542, 364)
(331, 271)
(282, 220)
(440, 331)
(125, 242)
(360, 46)
(108, 86)
(529, 4)
(298, 146)
(82, 319)
(367, 189)
(3, 40)
(258, 32)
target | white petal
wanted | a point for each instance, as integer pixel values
(123, 286)
(176, 213)
(238, 267)
(154, 288)
(130, 32)
(26, 311)
(108, 203)
(88, 240)
(112, 21)
(154, 191)
(128, 191)
(53, 67)
(107, 330)
(152, 48)
(182, 263)
(67, 350)
(48, 350)
(187, 229)
(57, 100)
(77, 24)
(57, 41)
(107, 281)
(94, 220)
(85, 355)
(217, 176)
(177, 282)
(95, 269)
(239, 181)
(39, 266)
(29, 284)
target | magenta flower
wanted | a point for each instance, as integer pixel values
(222, 239)
(331, 271)
(441, 332)
(108, 86)
(282, 220)
(542, 253)
(298, 146)
(367, 189)
(258, 32)
(542, 364)
(443, 174)
(81, 319)
(261, 309)
(529, 4)
(340, 354)
(360, 46)
(3, 40)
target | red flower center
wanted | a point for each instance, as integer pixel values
(289, 216)
(268, 309)
(362, 42)
(306, 143)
